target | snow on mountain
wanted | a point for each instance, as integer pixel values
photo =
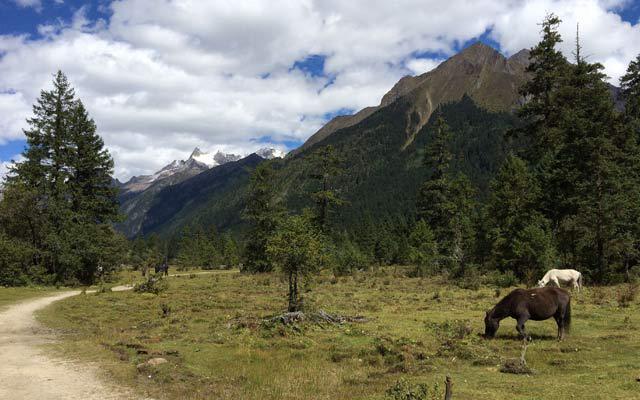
(197, 162)
(269, 153)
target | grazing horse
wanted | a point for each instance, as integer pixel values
(163, 269)
(558, 276)
(536, 304)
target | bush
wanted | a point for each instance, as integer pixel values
(627, 295)
(403, 390)
(503, 279)
(154, 284)
(469, 278)
(349, 259)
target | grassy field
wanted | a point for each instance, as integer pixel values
(10, 295)
(213, 335)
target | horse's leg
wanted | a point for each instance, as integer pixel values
(555, 281)
(558, 317)
(520, 326)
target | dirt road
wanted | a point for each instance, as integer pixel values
(27, 373)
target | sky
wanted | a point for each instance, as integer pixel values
(161, 77)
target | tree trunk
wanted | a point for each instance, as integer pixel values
(293, 292)
(448, 388)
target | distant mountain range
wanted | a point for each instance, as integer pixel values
(476, 91)
(138, 193)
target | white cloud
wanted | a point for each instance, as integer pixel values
(37, 4)
(163, 77)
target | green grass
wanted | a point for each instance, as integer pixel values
(11, 295)
(418, 329)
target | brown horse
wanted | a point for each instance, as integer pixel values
(536, 304)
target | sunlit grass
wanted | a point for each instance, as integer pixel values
(11, 295)
(218, 348)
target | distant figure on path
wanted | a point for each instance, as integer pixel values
(558, 276)
(163, 268)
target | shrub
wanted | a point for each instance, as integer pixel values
(349, 259)
(503, 279)
(403, 390)
(154, 284)
(627, 295)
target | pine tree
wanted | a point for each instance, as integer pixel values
(590, 170)
(446, 202)
(326, 167)
(263, 213)
(547, 67)
(630, 86)
(422, 248)
(437, 154)
(91, 168)
(517, 232)
(297, 249)
(63, 186)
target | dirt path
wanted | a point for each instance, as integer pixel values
(27, 373)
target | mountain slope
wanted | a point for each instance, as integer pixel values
(478, 71)
(219, 191)
(382, 146)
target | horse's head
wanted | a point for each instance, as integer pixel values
(541, 283)
(491, 325)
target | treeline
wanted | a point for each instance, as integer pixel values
(566, 196)
(58, 203)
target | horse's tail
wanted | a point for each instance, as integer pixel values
(567, 317)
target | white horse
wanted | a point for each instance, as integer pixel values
(557, 276)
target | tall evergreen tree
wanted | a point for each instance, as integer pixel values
(91, 169)
(327, 166)
(446, 202)
(64, 186)
(263, 213)
(517, 232)
(630, 86)
(589, 168)
(547, 68)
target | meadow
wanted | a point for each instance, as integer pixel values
(215, 332)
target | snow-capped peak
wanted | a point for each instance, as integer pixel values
(212, 159)
(270, 153)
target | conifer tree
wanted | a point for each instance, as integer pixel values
(630, 86)
(327, 166)
(547, 68)
(446, 202)
(297, 249)
(263, 213)
(517, 232)
(64, 187)
(91, 169)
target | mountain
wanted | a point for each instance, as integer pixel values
(382, 146)
(219, 190)
(197, 162)
(139, 192)
(479, 71)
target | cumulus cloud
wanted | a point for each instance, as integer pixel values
(37, 4)
(163, 77)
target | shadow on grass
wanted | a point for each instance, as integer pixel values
(534, 336)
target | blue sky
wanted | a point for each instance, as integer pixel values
(161, 78)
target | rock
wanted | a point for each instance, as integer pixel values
(157, 361)
(152, 362)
